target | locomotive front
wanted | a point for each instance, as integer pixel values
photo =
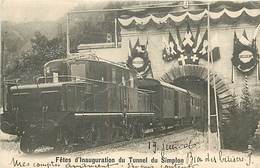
(34, 110)
(76, 102)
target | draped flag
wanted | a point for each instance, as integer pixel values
(244, 53)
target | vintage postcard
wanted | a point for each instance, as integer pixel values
(129, 84)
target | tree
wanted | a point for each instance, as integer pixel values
(32, 61)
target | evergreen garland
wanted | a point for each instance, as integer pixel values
(247, 119)
(243, 121)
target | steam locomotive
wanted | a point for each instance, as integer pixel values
(92, 102)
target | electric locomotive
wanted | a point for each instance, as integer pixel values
(78, 101)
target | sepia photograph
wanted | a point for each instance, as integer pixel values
(129, 84)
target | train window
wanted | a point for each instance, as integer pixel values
(131, 80)
(165, 94)
(113, 75)
(123, 80)
(55, 77)
(176, 104)
(78, 70)
(118, 75)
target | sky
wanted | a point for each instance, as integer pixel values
(38, 10)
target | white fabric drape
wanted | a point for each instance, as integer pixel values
(194, 17)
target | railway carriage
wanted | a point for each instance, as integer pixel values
(173, 106)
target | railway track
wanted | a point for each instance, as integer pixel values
(140, 143)
(123, 144)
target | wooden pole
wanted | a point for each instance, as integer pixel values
(68, 38)
(116, 38)
(232, 74)
(208, 84)
(216, 103)
(1, 57)
(257, 71)
(257, 66)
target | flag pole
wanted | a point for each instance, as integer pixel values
(257, 70)
(68, 38)
(257, 67)
(1, 57)
(116, 38)
(208, 84)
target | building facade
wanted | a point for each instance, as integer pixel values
(231, 29)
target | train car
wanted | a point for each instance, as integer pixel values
(78, 101)
(173, 106)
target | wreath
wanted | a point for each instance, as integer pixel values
(144, 69)
(245, 67)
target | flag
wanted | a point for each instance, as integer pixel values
(215, 55)
(129, 49)
(182, 59)
(244, 40)
(170, 49)
(188, 43)
(202, 50)
(172, 45)
(137, 48)
(197, 40)
(179, 44)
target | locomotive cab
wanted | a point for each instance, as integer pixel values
(102, 71)
(84, 69)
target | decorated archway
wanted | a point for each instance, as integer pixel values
(201, 72)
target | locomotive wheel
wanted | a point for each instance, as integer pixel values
(63, 141)
(141, 130)
(130, 132)
(108, 132)
(116, 133)
(92, 136)
(27, 144)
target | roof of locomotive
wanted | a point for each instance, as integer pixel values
(73, 59)
(154, 82)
